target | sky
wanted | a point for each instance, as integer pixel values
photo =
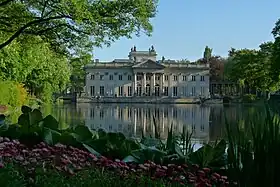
(182, 28)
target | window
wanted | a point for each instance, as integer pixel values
(120, 91)
(157, 77)
(175, 77)
(185, 91)
(92, 91)
(129, 77)
(129, 91)
(193, 77)
(91, 113)
(202, 90)
(184, 78)
(175, 89)
(174, 115)
(148, 78)
(92, 77)
(101, 114)
(201, 78)
(166, 77)
(139, 77)
(120, 77)
(193, 91)
(102, 90)
(165, 91)
(111, 77)
(101, 77)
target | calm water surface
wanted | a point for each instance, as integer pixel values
(206, 122)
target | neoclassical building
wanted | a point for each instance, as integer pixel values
(141, 75)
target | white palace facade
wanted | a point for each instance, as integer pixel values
(141, 75)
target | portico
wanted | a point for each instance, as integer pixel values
(148, 84)
(149, 76)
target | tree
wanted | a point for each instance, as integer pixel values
(216, 68)
(252, 68)
(78, 74)
(207, 54)
(29, 60)
(275, 66)
(72, 25)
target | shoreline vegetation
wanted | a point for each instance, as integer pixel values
(36, 152)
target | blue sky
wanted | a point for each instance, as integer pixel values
(182, 28)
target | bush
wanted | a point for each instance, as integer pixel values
(248, 98)
(13, 94)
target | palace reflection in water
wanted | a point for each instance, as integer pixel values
(132, 119)
(207, 123)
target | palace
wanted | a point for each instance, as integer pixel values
(141, 75)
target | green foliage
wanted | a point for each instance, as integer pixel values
(207, 54)
(258, 69)
(253, 153)
(76, 25)
(16, 176)
(78, 74)
(12, 94)
(210, 156)
(30, 61)
(253, 67)
(248, 98)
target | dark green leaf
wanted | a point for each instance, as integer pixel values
(50, 122)
(91, 150)
(25, 109)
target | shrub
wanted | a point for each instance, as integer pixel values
(13, 94)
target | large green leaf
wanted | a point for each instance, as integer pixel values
(130, 159)
(51, 136)
(30, 120)
(25, 109)
(68, 139)
(207, 155)
(91, 150)
(82, 133)
(35, 116)
(149, 153)
(50, 122)
(151, 142)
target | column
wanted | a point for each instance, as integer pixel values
(170, 91)
(162, 84)
(144, 86)
(153, 83)
(135, 121)
(144, 120)
(162, 118)
(135, 84)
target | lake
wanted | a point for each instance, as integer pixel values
(206, 122)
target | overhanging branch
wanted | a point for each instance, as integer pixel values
(5, 2)
(20, 30)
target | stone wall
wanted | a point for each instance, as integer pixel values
(162, 100)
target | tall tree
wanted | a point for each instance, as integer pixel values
(75, 24)
(207, 54)
(275, 67)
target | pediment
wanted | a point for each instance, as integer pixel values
(149, 64)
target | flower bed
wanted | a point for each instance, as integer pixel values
(71, 161)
